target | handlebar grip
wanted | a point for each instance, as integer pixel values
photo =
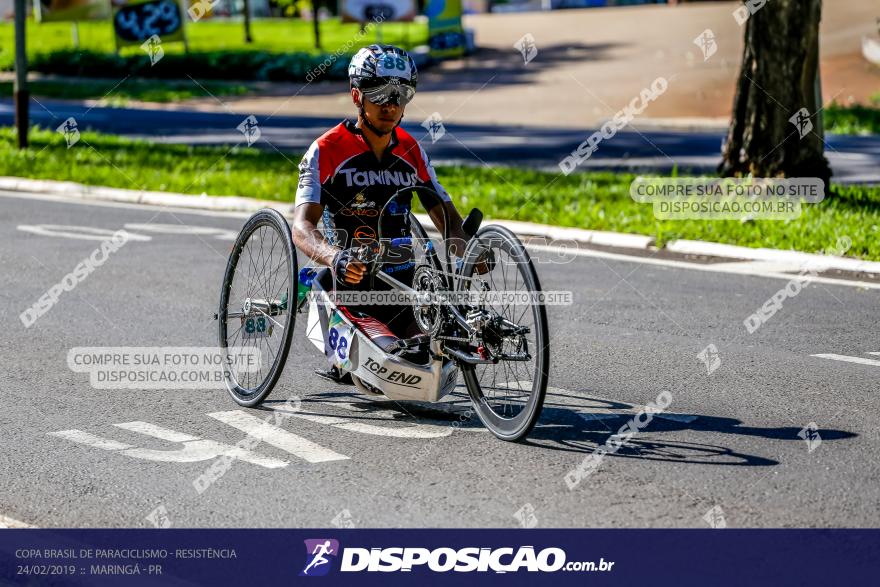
(472, 222)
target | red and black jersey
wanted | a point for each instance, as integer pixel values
(342, 174)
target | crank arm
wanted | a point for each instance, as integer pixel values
(517, 357)
(467, 358)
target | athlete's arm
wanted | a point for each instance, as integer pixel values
(311, 242)
(307, 211)
(457, 237)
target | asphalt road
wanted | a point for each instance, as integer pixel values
(729, 439)
(853, 159)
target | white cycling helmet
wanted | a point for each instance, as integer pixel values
(384, 67)
(384, 73)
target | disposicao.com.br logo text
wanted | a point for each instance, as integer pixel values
(444, 559)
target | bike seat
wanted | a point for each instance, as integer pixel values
(376, 330)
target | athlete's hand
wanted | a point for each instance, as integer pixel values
(348, 268)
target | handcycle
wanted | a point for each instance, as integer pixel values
(479, 316)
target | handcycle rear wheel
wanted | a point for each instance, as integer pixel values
(508, 396)
(257, 305)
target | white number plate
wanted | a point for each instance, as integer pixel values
(256, 327)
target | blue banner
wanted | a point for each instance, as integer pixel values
(437, 557)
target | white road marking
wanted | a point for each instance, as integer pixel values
(711, 268)
(875, 354)
(277, 437)
(848, 359)
(80, 437)
(11, 523)
(757, 267)
(156, 431)
(193, 450)
(417, 431)
(89, 233)
(218, 233)
(205, 450)
(174, 228)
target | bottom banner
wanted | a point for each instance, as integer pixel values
(436, 557)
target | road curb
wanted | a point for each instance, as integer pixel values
(80, 191)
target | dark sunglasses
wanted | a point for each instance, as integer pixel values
(388, 92)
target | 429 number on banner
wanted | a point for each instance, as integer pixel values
(135, 22)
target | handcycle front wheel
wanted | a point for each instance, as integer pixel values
(258, 306)
(507, 396)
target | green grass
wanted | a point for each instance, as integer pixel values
(99, 159)
(852, 120)
(601, 201)
(270, 35)
(598, 200)
(112, 93)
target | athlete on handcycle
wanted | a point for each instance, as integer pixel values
(350, 172)
(480, 317)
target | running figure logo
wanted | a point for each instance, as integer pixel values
(70, 131)
(706, 43)
(153, 48)
(801, 121)
(434, 125)
(527, 47)
(250, 129)
(317, 552)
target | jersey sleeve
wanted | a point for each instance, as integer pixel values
(432, 176)
(308, 189)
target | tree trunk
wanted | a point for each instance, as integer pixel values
(778, 79)
(20, 85)
(247, 22)
(316, 24)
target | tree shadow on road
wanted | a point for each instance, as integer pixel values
(494, 67)
(488, 67)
